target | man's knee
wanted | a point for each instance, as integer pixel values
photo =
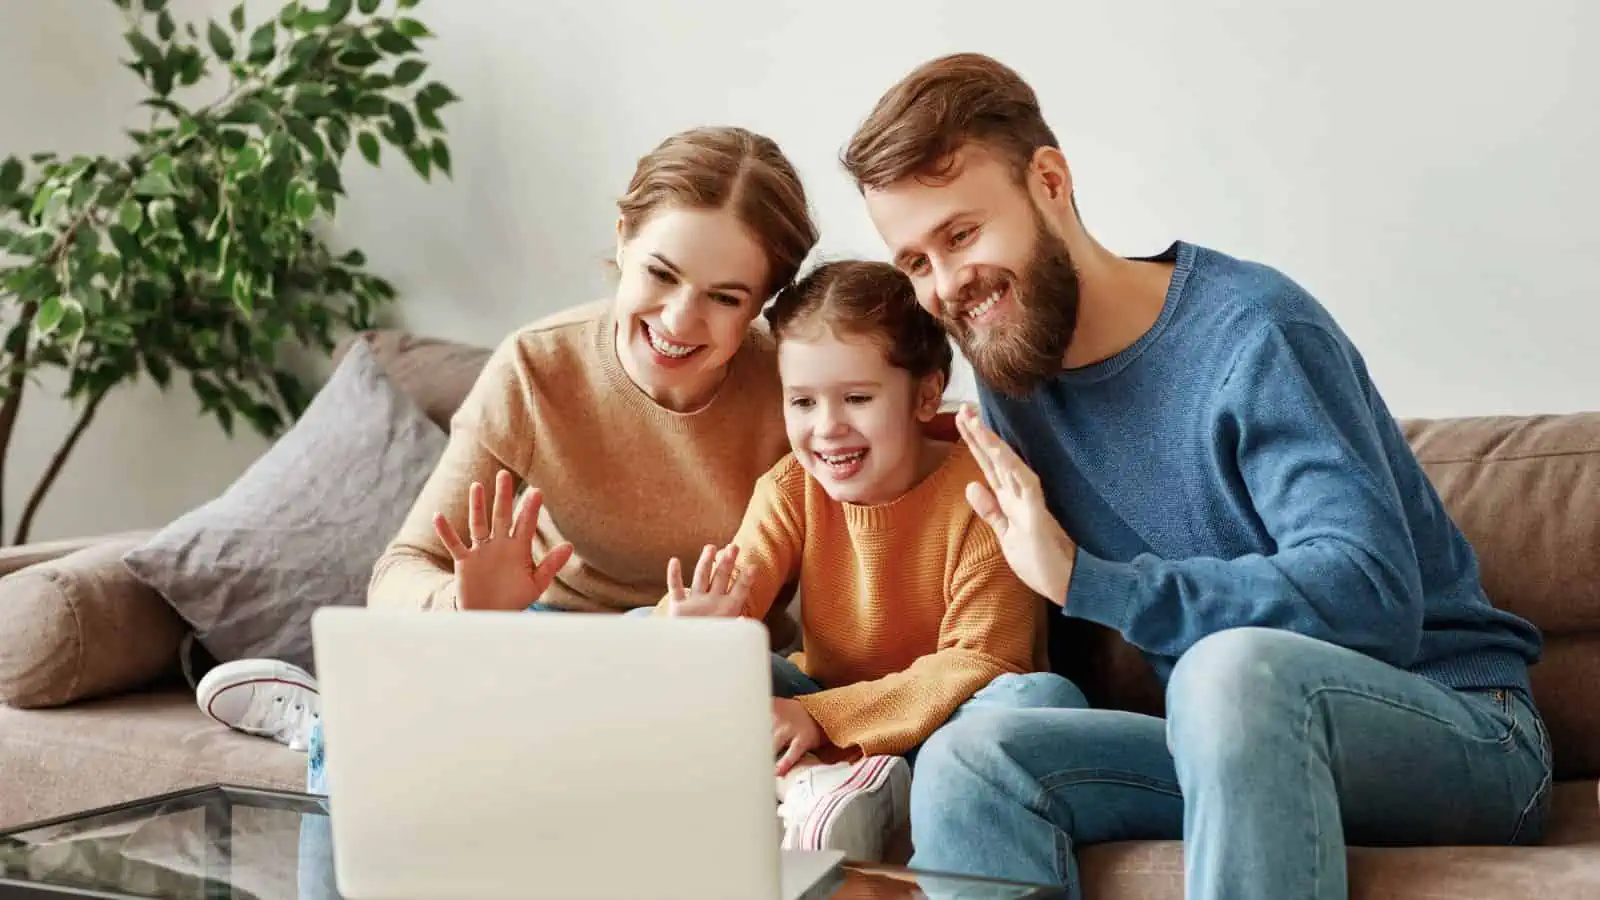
(1230, 688)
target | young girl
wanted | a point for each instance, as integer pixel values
(909, 610)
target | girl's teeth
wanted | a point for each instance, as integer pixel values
(839, 459)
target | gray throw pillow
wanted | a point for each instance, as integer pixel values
(303, 526)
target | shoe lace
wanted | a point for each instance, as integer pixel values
(283, 716)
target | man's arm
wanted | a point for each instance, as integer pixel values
(1310, 451)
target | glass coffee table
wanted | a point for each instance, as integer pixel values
(234, 843)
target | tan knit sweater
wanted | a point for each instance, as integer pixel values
(907, 608)
(627, 481)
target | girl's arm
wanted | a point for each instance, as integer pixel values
(992, 626)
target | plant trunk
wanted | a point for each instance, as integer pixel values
(59, 460)
(15, 382)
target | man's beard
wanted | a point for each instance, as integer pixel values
(1016, 353)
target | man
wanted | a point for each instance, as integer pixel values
(1202, 463)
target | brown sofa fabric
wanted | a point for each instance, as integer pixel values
(81, 626)
(1526, 491)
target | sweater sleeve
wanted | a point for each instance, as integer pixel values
(415, 571)
(771, 537)
(1310, 451)
(990, 627)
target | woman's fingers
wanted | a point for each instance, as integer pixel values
(447, 536)
(505, 504)
(477, 516)
(723, 571)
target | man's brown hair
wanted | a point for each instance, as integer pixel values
(867, 299)
(943, 104)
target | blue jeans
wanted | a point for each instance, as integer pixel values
(1282, 749)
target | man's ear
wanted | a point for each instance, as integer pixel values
(1050, 178)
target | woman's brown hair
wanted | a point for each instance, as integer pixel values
(866, 299)
(725, 167)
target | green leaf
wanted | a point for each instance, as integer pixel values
(49, 315)
(192, 67)
(372, 105)
(329, 179)
(313, 100)
(147, 51)
(160, 371)
(10, 176)
(405, 126)
(165, 27)
(304, 202)
(354, 258)
(54, 202)
(221, 43)
(72, 323)
(236, 18)
(409, 71)
(254, 112)
(163, 213)
(263, 44)
(162, 78)
(409, 4)
(338, 11)
(422, 161)
(357, 59)
(369, 146)
(434, 95)
(441, 156)
(412, 28)
(187, 129)
(162, 164)
(154, 184)
(306, 134)
(248, 160)
(368, 7)
(155, 5)
(130, 215)
(391, 40)
(338, 136)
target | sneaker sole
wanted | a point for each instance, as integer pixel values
(864, 781)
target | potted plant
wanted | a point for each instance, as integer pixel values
(194, 255)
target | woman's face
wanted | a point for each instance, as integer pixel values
(691, 283)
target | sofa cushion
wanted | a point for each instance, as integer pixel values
(435, 373)
(1526, 492)
(303, 526)
(81, 626)
(137, 745)
(1567, 864)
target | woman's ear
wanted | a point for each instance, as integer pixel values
(621, 239)
(930, 393)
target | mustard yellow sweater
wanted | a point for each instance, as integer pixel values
(907, 608)
(627, 481)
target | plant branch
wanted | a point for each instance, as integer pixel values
(16, 381)
(57, 462)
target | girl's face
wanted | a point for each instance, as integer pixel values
(691, 283)
(855, 421)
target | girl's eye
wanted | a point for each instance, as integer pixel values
(800, 402)
(727, 300)
(858, 399)
(661, 275)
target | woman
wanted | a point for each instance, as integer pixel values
(640, 425)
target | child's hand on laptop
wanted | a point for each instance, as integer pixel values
(498, 570)
(717, 590)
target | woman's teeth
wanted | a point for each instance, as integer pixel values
(841, 459)
(985, 306)
(667, 348)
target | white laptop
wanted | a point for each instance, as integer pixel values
(489, 756)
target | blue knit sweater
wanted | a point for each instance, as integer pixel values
(1237, 467)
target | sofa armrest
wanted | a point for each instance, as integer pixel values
(79, 625)
(21, 556)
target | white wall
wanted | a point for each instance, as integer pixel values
(1426, 167)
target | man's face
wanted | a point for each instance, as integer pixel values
(986, 265)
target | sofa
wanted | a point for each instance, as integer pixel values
(105, 714)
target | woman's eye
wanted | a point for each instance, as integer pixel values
(661, 275)
(727, 300)
(918, 265)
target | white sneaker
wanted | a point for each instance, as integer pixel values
(850, 807)
(263, 697)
